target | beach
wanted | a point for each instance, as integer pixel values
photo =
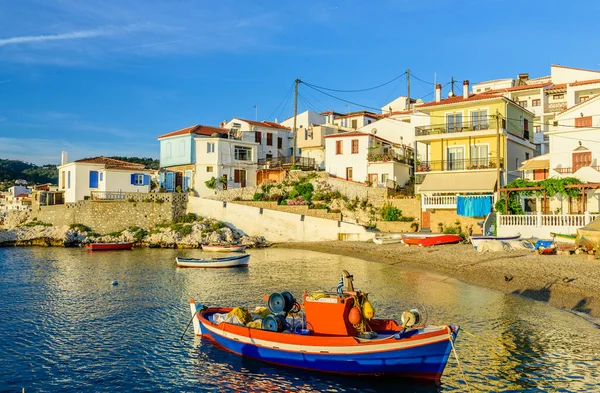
(571, 282)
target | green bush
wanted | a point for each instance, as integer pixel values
(37, 223)
(406, 219)
(293, 194)
(115, 234)
(189, 217)
(450, 230)
(80, 227)
(185, 230)
(388, 212)
(217, 225)
(304, 189)
(258, 196)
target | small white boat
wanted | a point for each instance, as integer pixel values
(224, 248)
(390, 239)
(477, 239)
(232, 261)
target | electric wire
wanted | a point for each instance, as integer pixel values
(357, 90)
(282, 100)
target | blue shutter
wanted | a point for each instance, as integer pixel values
(93, 179)
(162, 179)
(146, 180)
(133, 178)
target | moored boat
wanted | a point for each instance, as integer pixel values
(231, 261)
(223, 248)
(109, 246)
(563, 238)
(477, 239)
(330, 332)
(431, 240)
(390, 239)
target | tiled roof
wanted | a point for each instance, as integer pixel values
(516, 88)
(388, 114)
(359, 113)
(22, 196)
(558, 86)
(111, 163)
(588, 82)
(196, 129)
(264, 123)
(345, 134)
(459, 99)
(579, 104)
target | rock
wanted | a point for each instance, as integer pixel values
(214, 237)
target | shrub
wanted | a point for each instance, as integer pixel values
(217, 225)
(185, 230)
(318, 206)
(130, 200)
(304, 189)
(388, 212)
(293, 193)
(405, 219)
(415, 226)
(80, 227)
(211, 183)
(37, 223)
(258, 196)
(450, 230)
(147, 200)
(115, 234)
(189, 217)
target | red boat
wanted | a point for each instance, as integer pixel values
(109, 246)
(429, 240)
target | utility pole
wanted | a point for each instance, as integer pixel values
(498, 153)
(452, 81)
(295, 116)
(408, 89)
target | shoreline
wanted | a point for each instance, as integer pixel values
(569, 282)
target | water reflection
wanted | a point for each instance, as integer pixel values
(65, 327)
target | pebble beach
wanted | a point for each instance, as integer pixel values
(571, 282)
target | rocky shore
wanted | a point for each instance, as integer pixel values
(571, 282)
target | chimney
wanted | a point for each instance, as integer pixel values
(64, 158)
(438, 92)
(465, 89)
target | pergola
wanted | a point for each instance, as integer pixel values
(583, 187)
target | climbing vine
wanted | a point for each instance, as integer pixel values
(549, 187)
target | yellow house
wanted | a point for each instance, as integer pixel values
(474, 143)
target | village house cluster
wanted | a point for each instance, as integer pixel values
(455, 151)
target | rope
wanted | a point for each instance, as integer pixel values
(458, 361)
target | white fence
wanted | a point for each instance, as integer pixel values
(442, 201)
(540, 225)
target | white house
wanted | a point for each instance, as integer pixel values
(79, 178)
(204, 153)
(273, 140)
(17, 198)
(367, 158)
(304, 120)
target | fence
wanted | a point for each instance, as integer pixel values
(540, 225)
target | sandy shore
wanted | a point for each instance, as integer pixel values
(569, 282)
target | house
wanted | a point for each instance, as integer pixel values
(536, 168)
(78, 179)
(304, 120)
(367, 158)
(17, 198)
(353, 120)
(311, 129)
(273, 140)
(192, 156)
(461, 154)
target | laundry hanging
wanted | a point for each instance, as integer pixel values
(473, 205)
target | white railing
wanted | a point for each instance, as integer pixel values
(541, 225)
(442, 201)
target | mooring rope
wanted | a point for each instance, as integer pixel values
(458, 361)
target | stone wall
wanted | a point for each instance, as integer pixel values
(353, 190)
(297, 209)
(449, 217)
(411, 207)
(105, 216)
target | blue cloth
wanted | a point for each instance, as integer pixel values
(473, 206)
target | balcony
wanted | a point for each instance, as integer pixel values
(458, 165)
(452, 128)
(390, 157)
(555, 107)
(286, 162)
(566, 171)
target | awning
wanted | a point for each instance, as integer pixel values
(459, 182)
(530, 165)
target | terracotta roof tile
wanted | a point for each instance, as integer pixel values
(111, 163)
(346, 134)
(588, 82)
(558, 86)
(459, 99)
(516, 88)
(264, 123)
(196, 129)
(578, 104)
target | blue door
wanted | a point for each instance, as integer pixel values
(93, 179)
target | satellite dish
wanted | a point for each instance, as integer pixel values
(374, 131)
(419, 101)
(450, 94)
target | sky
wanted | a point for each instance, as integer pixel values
(107, 77)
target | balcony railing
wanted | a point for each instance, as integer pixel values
(465, 126)
(458, 165)
(280, 162)
(555, 107)
(374, 157)
(563, 171)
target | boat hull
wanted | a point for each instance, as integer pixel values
(387, 239)
(223, 248)
(109, 246)
(476, 240)
(427, 241)
(411, 357)
(238, 261)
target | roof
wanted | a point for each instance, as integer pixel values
(541, 162)
(264, 123)
(516, 88)
(572, 68)
(359, 133)
(22, 196)
(558, 86)
(359, 113)
(111, 163)
(579, 104)
(588, 82)
(197, 129)
(459, 99)
(474, 181)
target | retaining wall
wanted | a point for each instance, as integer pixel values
(277, 226)
(297, 209)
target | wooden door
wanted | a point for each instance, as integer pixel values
(373, 179)
(349, 173)
(581, 159)
(243, 178)
(178, 180)
(425, 221)
(545, 205)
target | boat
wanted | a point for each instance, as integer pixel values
(390, 239)
(431, 240)
(223, 248)
(231, 261)
(564, 242)
(109, 246)
(333, 332)
(477, 239)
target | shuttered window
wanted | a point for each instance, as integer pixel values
(354, 146)
(338, 147)
(583, 121)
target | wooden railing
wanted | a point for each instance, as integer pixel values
(279, 162)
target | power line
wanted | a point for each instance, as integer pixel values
(341, 99)
(354, 91)
(284, 97)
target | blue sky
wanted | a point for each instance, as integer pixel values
(107, 77)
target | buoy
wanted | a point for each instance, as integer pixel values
(368, 311)
(354, 315)
(115, 282)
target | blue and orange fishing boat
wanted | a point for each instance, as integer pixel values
(331, 332)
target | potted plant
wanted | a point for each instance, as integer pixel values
(441, 226)
(415, 226)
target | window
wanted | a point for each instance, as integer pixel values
(181, 148)
(537, 129)
(93, 179)
(349, 173)
(479, 120)
(526, 156)
(338, 147)
(187, 180)
(454, 122)
(269, 156)
(210, 147)
(257, 137)
(479, 156)
(584, 98)
(456, 158)
(62, 178)
(242, 153)
(354, 146)
(138, 179)
(101, 176)
(384, 177)
(269, 139)
(168, 149)
(209, 168)
(280, 142)
(558, 97)
(526, 125)
(355, 124)
(536, 102)
(581, 159)
(523, 104)
(488, 88)
(68, 179)
(583, 121)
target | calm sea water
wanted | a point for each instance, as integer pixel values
(65, 327)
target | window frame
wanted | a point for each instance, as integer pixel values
(339, 147)
(355, 145)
